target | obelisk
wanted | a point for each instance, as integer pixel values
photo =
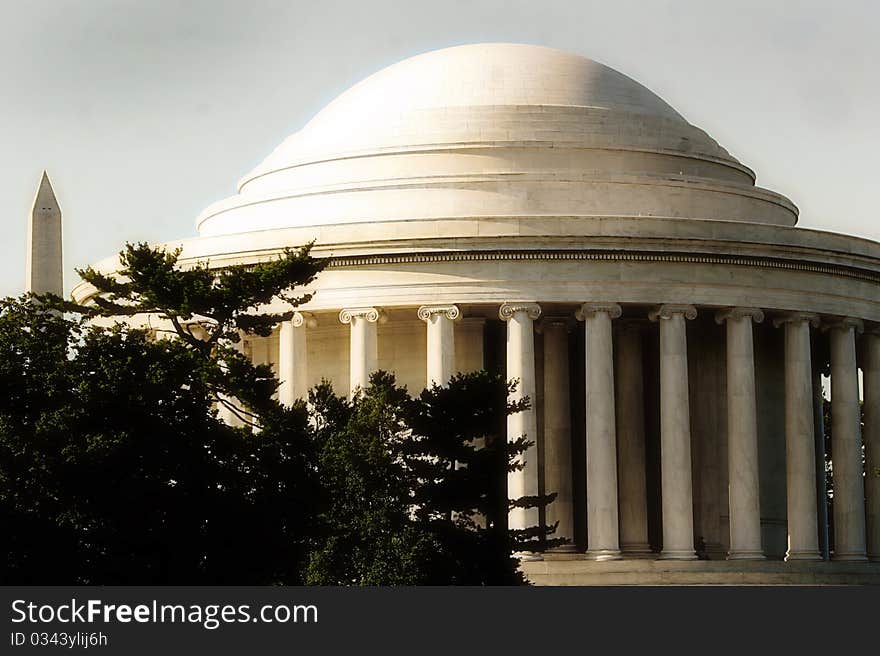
(44, 259)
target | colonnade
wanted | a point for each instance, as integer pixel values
(616, 489)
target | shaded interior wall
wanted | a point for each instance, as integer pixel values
(402, 350)
(770, 391)
(402, 347)
(495, 359)
(651, 379)
(469, 345)
(328, 354)
(821, 361)
(577, 388)
(538, 405)
(708, 405)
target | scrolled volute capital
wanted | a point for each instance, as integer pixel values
(508, 310)
(587, 310)
(753, 313)
(796, 317)
(451, 312)
(845, 323)
(369, 314)
(669, 310)
(307, 319)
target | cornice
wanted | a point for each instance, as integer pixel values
(347, 261)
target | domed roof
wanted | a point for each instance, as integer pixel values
(471, 76)
(485, 130)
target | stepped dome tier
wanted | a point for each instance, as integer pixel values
(494, 130)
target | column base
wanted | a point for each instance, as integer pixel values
(756, 554)
(563, 548)
(802, 555)
(603, 554)
(850, 557)
(678, 554)
(528, 556)
(874, 558)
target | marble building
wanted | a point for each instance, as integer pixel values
(530, 211)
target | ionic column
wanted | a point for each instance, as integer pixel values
(800, 448)
(630, 405)
(742, 434)
(557, 430)
(676, 477)
(846, 443)
(871, 382)
(364, 352)
(292, 357)
(520, 318)
(441, 341)
(602, 515)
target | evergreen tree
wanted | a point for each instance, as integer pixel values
(369, 536)
(114, 467)
(208, 310)
(417, 487)
(459, 451)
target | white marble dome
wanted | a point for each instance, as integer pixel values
(494, 130)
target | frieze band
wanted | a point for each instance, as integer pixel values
(607, 256)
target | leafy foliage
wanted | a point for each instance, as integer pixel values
(222, 302)
(418, 486)
(369, 535)
(114, 468)
(207, 309)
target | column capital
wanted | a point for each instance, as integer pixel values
(667, 310)
(591, 309)
(796, 317)
(845, 323)
(369, 314)
(753, 313)
(306, 319)
(872, 328)
(510, 308)
(451, 312)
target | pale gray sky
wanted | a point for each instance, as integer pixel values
(144, 112)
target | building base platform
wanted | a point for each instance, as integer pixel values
(573, 569)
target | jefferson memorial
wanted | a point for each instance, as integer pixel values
(532, 212)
